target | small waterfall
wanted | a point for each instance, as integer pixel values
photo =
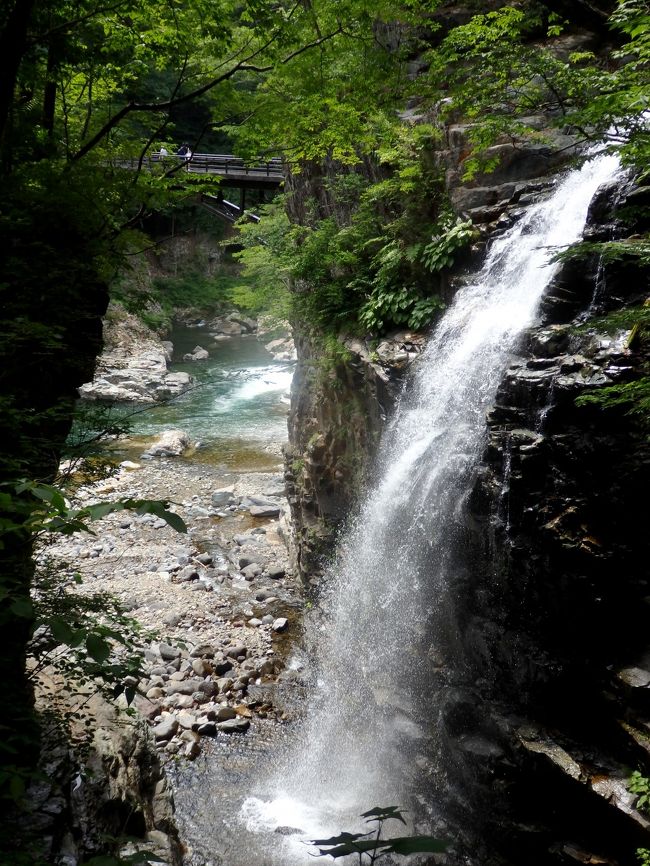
(388, 610)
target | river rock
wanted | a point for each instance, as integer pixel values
(276, 571)
(166, 728)
(223, 714)
(189, 573)
(248, 324)
(233, 726)
(280, 624)
(282, 349)
(201, 667)
(222, 667)
(236, 651)
(170, 443)
(225, 327)
(198, 353)
(264, 510)
(203, 650)
(133, 365)
(223, 497)
(167, 652)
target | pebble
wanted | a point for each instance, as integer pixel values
(280, 624)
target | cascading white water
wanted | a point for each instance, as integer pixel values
(387, 585)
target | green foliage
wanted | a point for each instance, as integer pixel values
(265, 257)
(496, 72)
(372, 846)
(640, 785)
(365, 259)
(444, 247)
(634, 396)
(42, 508)
(635, 249)
(643, 856)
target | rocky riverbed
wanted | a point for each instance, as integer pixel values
(216, 602)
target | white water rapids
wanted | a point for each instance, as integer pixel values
(386, 608)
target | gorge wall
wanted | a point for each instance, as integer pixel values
(545, 717)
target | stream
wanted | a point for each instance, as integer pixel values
(237, 409)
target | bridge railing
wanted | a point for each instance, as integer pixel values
(210, 163)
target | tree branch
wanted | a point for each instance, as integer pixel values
(166, 105)
(67, 25)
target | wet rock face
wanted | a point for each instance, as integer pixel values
(337, 412)
(554, 612)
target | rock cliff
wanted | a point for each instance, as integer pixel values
(553, 611)
(547, 714)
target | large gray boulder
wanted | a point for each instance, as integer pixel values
(171, 443)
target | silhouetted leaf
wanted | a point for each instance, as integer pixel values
(341, 838)
(416, 845)
(383, 813)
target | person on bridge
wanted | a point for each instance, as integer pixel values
(184, 151)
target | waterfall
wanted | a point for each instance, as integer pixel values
(387, 605)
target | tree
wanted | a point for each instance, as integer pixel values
(84, 85)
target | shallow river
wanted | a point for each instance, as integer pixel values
(237, 409)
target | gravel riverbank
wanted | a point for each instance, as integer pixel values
(219, 602)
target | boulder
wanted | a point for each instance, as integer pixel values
(226, 328)
(249, 325)
(170, 443)
(223, 497)
(264, 510)
(198, 353)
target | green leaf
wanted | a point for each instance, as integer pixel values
(174, 520)
(102, 509)
(97, 647)
(61, 631)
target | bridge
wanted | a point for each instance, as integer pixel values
(227, 210)
(235, 171)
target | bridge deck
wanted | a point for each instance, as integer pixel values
(266, 175)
